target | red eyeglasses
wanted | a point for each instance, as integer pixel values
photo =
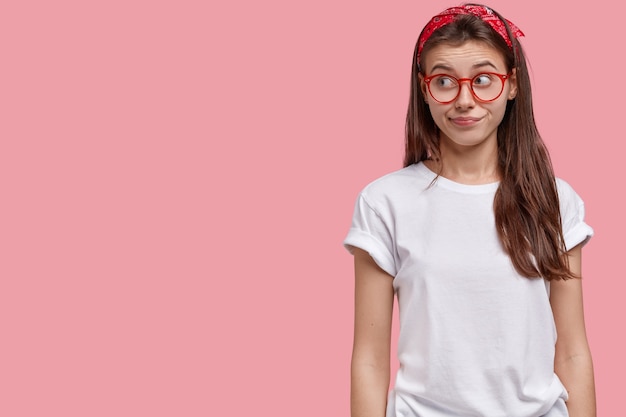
(485, 87)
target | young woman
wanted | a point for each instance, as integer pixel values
(478, 240)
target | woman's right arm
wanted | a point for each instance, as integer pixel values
(372, 335)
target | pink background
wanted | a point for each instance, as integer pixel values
(177, 178)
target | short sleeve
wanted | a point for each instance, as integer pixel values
(575, 230)
(371, 233)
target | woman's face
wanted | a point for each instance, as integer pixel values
(467, 121)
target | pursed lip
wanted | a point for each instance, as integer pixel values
(465, 121)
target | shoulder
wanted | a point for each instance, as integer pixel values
(563, 186)
(568, 197)
(572, 207)
(396, 184)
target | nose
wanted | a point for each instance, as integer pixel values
(465, 98)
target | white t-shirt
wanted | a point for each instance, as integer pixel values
(476, 338)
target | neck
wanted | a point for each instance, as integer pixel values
(470, 165)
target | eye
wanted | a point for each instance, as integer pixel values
(444, 81)
(482, 80)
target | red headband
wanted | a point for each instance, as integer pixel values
(484, 13)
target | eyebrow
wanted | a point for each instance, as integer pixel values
(446, 67)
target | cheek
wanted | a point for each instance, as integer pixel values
(439, 114)
(437, 111)
(500, 108)
(432, 106)
(497, 115)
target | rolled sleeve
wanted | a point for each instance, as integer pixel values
(370, 232)
(575, 230)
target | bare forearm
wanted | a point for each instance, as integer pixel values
(576, 373)
(369, 389)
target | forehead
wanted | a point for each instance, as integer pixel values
(463, 57)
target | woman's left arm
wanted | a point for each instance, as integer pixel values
(573, 363)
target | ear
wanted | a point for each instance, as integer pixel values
(513, 84)
(423, 87)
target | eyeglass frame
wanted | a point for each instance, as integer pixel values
(503, 78)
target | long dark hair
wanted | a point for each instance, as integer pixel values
(526, 204)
